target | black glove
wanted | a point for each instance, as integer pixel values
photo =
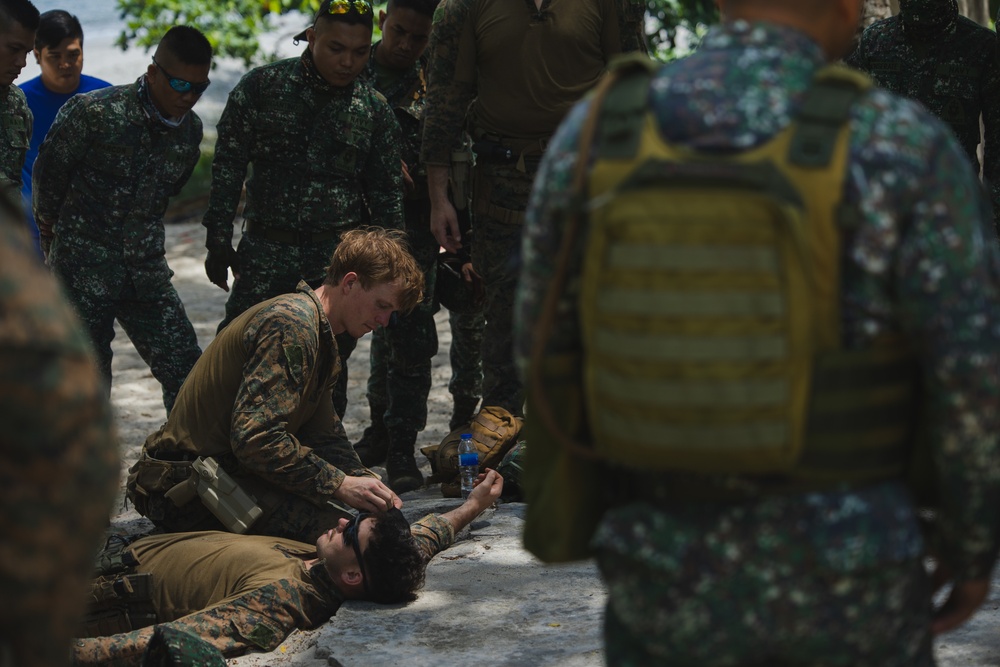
(220, 258)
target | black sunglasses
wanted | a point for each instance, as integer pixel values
(182, 86)
(351, 538)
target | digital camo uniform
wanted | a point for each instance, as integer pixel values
(401, 355)
(15, 124)
(728, 584)
(101, 184)
(58, 457)
(237, 592)
(323, 159)
(518, 104)
(259, 402)
(947, 62)
(466, 357)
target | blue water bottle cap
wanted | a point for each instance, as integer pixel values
(466, 435)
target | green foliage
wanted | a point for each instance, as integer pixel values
(232, 26)
(675, 26)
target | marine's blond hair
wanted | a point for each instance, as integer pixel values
(378, 256)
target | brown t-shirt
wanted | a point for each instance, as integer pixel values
(530, 66)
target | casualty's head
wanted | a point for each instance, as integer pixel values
(406, 30)
(18, 23)
(178, 75)
(340, 40)
(373, 557)
(59, 51)
(371, 275)
(833, 24)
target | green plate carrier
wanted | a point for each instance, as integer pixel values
(710, 303)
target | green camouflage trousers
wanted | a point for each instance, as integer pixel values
(496, 256)
(155, 322)
(466, 384)
(400, 378)
(721, 595)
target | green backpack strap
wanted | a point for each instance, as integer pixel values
(624, 107)
(825, 110)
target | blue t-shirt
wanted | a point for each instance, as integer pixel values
(44, 105)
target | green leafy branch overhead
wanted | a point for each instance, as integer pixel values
(234, 27)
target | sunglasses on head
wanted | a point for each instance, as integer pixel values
(351, 538)
(344, 6)
(180, 85)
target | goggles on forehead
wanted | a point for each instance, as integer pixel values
(181, 85)
(344, 6)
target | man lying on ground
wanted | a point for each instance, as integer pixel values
(241, 592)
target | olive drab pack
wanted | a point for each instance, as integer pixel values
(710, 303)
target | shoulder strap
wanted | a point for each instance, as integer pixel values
(827, 106)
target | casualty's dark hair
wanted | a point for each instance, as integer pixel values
(393, 561)
(423, 7)
(188, 45)
(18, 11)
(54, 26)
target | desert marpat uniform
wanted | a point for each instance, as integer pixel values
(487, 54)
(58, 457)
(400, 378)
(948, 63)
(324, 160)
(259, 401)
(239, 592)
(101, 184)
(15, 127)
(787, 579)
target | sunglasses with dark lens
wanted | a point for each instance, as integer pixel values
(344, 6)
(351, 538)
(182, 86)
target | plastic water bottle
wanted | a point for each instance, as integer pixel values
(468, 463)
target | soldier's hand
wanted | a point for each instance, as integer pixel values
(217, 263)
(367, 494)
(487, 487)
(444, 225)
(963, 601)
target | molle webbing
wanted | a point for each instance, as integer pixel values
(710, 303)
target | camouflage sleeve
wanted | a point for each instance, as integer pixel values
(990, 104)
(383, 170)
(65, 145)
(58, 457)
(433, 534)
(258, 620)
(274, 383)
(922, 207)
(448, 98)
(632, 25)
(229, 165)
